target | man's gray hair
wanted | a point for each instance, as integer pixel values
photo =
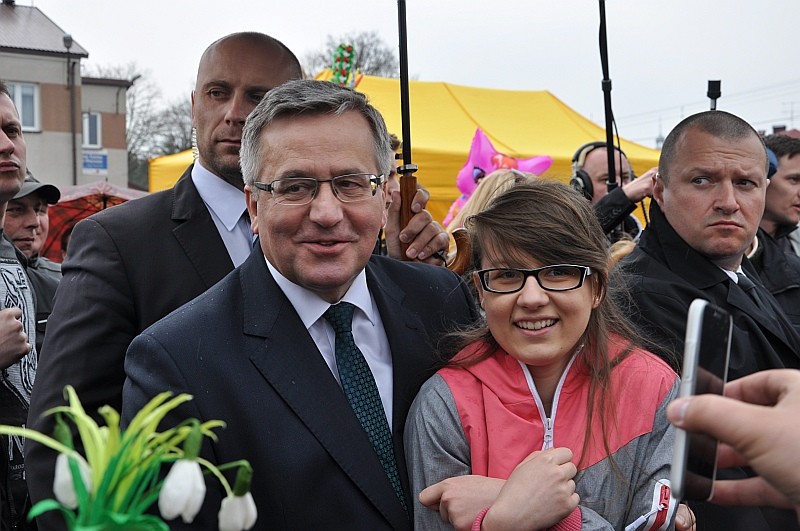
(4, 88)
(308, 97)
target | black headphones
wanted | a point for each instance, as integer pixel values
(580, 180)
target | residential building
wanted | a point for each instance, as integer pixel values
(74, 126)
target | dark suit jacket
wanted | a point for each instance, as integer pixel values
(242, 351)
(128, 267)
(666, 276)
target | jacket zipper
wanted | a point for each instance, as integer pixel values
(548, 422)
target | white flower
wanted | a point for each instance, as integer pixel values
(237, 513)
(183, 491)
(63, 487)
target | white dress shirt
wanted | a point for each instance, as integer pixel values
(226, 204)
(368, 331)
(733, 275)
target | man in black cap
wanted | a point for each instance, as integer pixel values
(26, 224)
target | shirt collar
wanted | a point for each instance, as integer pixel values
(733, 274)
(661, 241)
(310, 306)
(225, 200)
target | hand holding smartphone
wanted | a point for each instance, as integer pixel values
(705, 370)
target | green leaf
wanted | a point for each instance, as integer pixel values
(144, 522)
(50, 505)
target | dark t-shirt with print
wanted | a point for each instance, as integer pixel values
(16, 383)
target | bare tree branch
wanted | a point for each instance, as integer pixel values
(152, 129)
(371, 55)
(176, 132)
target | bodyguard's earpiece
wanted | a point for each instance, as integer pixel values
(580, 180)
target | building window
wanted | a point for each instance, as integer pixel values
(26, 99)
(92, 132)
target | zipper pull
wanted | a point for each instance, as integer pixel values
(548, 433)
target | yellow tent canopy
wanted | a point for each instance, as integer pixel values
(444, 118)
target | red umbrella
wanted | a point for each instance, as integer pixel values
(78, 202)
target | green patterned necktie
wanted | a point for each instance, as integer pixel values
(361, 391)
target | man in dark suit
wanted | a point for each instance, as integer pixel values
(133, 264)
(257, 351)
(708, 200)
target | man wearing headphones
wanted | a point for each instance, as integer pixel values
(589, 176)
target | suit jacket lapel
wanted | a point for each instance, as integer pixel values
(196, 232)
(697, 270)
(407, 339)
(290, 362)
(739, 299)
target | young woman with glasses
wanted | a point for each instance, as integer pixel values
(551, 384)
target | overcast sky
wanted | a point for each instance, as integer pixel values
(662, 53)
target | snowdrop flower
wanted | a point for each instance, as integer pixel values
(183, 491)
(238, 510)
(237, 513)
(63, 487)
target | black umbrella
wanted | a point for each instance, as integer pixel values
(408, 182)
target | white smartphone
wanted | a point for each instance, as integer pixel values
(705, 370)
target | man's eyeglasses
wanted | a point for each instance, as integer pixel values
(302, 190)
(561, 277)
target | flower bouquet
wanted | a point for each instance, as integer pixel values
(120, 478)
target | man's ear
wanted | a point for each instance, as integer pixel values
(251, 199)
(658, 190)
(384, 211)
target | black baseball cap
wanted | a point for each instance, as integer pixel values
(49, 193)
